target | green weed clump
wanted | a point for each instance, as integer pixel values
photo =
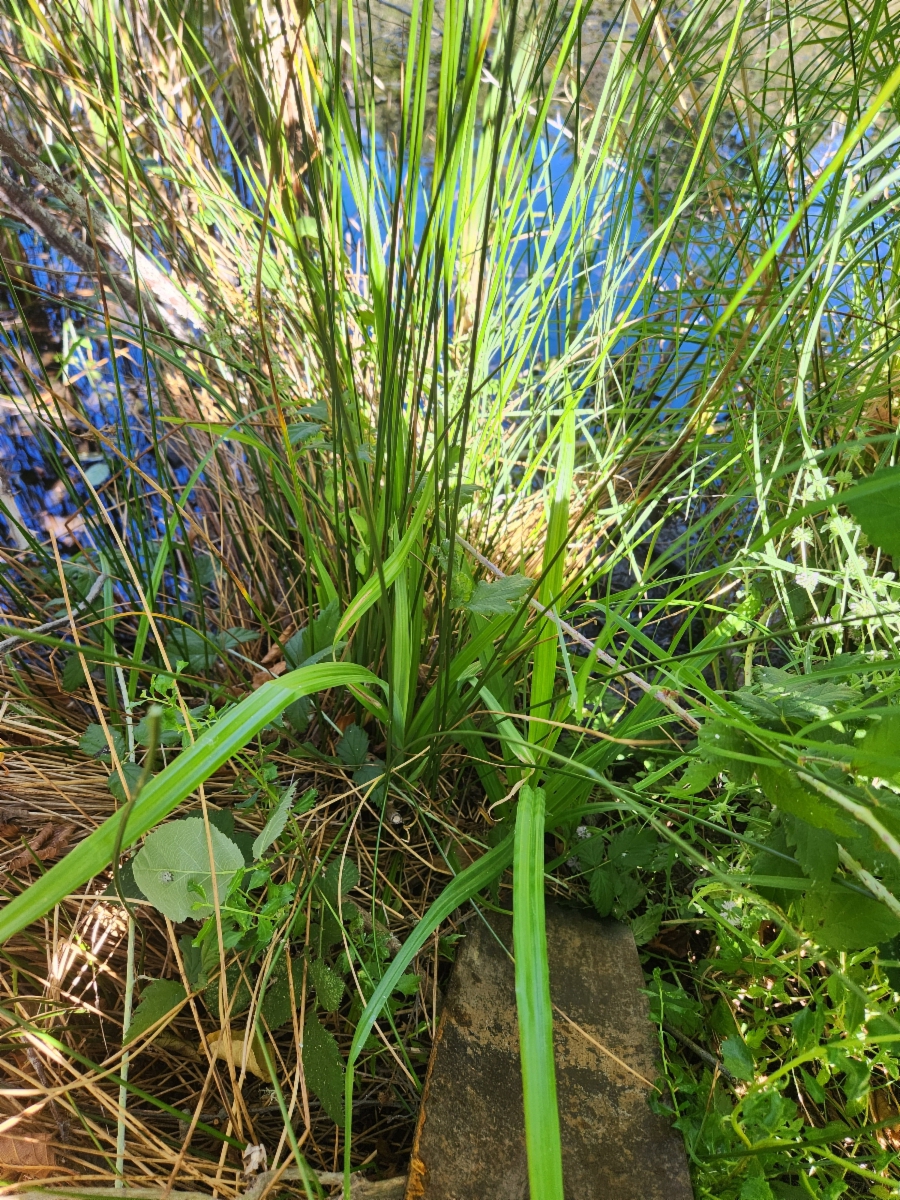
(473, 455)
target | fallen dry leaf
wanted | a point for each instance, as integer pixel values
(884, 1107)
(10, 832)
(262, 677)
(49, 842)
(219, 1047)
(29, 1153)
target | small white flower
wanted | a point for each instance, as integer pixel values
(808, 580)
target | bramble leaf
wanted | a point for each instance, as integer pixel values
(324, 1068)
(501, 596)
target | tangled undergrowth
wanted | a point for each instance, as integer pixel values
(437, 471)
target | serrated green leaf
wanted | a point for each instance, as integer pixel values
(324, 1068)
(843, 920)
(785, 791)
(737, 1057)
(176, 856)
(339, 870)
(816, 850)
(633, 848)
(236, 985)
(721, 745)
(879, 751)
(875, 505)
(353, 746)
(277, 1008)
(93, 742)
(274, 827)
(646, 926)
(132, 772)
(499, 596)
(73, 676)
(329, 986)
(603, 889)
(157, 999)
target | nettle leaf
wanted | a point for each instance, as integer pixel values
(879, 751)
(785, 791)
(173, 868)
(343, 871)
(324, 1068)
(646, 926)
(603, 889)
(720, 744)
(839, 919)
(875, 505)
(329, 986)
(816, 850)
(274, 827)
(498, 597)
(157, 999)
(171, 728)
(737, 1057)
(93, 742)
(633, 848)
(132, 772)
(353, 746)
(697, 778)
(591, 851)
(236, 985)
(73, 676)
(277, 1008)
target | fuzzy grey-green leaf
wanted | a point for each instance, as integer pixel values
(174, 861)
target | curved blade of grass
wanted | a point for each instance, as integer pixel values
(167, 790)
(475, 877)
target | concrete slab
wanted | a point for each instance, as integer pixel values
(470, 1141)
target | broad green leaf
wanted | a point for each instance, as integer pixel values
(275, 825)
(633, 848)
(843, 920)
(816, 850)
(236, 985)
(353, 746)
(73, 676)
(277, 1009)
(646, 926)
(500, 596)
(132, 772)
(785, 791)
(737, 1057)
(603, 889)
(879, 751)
(340, 872)
(329, 986)
(193, 766)
(93, 742)
(157, 999)
(174, 862)
(323, 1067)
(875, 505)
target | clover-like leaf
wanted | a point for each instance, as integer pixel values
(173, 869)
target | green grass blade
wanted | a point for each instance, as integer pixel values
(167, 790)
(533, 1000)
